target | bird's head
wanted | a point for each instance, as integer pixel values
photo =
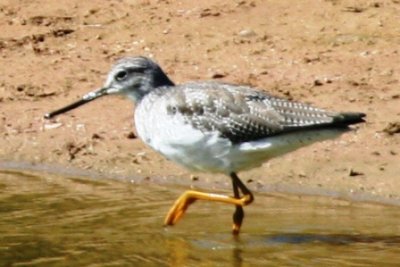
(133, 77)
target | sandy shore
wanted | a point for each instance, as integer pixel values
(339, 55)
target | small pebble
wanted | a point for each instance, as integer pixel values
(247, 33)
(218, 75)
(52, 126)
(318, 83)
(96, 136)
(355, 173)
(131, 135)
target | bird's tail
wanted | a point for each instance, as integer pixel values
(348, 118)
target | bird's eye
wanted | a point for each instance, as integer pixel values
(121, 75)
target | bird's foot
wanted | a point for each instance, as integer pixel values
(178, 209)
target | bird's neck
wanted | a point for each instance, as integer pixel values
(160, 79)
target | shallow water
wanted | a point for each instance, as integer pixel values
(48, 220)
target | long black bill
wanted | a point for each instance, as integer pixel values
(85, 99)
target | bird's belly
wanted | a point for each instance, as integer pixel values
(211, 153)
(193, 149)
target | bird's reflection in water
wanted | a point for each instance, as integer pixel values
(183, 251)
(178, 251)
(237, 257)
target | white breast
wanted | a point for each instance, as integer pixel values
(180, 142)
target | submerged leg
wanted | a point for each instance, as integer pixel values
(238, 215)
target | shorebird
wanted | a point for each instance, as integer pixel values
(214, 127)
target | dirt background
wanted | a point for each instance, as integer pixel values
(340, 55)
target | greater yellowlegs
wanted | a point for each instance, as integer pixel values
(213, 126)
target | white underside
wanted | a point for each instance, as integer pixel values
(208, 152)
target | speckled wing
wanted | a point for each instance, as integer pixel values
(242, 114)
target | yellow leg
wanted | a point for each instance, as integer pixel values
(190, 196)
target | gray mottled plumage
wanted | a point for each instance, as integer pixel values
(242, 114)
